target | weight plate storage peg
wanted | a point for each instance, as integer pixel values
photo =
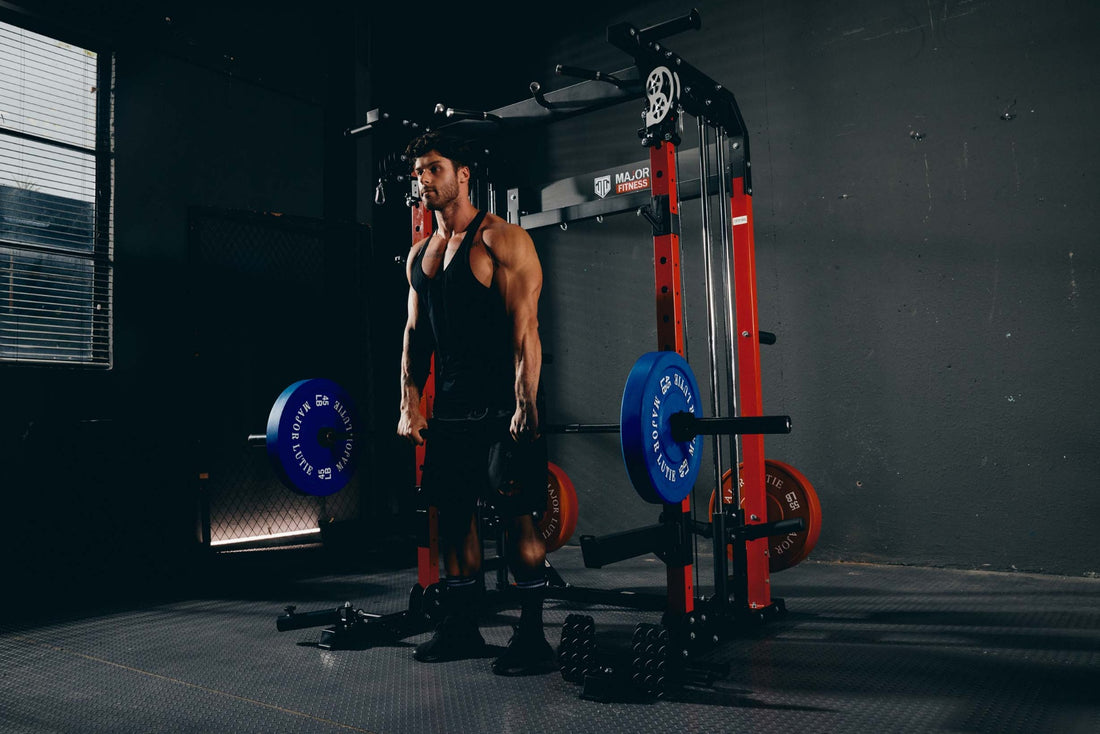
(311, 437)
(661, 468)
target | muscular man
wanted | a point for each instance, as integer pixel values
(473, 299)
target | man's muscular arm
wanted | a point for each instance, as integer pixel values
(519, 277)
(416, 356)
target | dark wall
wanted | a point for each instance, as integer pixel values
(926, 254)
(217, 107)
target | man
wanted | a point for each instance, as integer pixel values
(474, 287)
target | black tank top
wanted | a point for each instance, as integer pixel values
(474, 357)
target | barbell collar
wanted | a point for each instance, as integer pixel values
(328, 437)
(685, 426)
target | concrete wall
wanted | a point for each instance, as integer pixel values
(926, 253)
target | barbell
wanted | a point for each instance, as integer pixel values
(312, 427)
(659, 433)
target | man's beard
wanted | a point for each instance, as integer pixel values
(444, 195)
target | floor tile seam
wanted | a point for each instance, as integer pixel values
(186, 684)
(1049, 657)
(839, 564)
(1015, 631)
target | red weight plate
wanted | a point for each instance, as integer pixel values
(560, 518)
(793, 496)
(789, 495)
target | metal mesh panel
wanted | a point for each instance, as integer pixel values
(246, 501)
(277, 299)
(255, 245)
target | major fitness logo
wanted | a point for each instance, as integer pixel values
(625, 182)
(603, 186)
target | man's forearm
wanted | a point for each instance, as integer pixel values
(410, 394)
(416, 362)
(528, 369)
(415, 366)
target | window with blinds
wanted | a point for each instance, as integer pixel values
(55, 175)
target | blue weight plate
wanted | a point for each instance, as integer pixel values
(659, 385)
(296, 427)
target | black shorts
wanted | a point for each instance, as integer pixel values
(469, 460)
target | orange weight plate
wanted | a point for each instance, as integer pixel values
(789, 494)
(560, 518)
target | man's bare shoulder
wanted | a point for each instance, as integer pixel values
(504, 239)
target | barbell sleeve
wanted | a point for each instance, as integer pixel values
(685, 426)
(325, 435)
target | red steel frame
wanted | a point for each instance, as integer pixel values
(670, 337)
(753, 494)
(670, 330)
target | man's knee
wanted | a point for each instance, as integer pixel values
(527, 550)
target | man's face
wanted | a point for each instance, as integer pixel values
(439, 182)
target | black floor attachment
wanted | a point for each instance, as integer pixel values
(647, 667)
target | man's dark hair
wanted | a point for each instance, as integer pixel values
(455, 149)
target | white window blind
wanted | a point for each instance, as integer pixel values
(55, 238)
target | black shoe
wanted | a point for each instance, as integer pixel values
(528, 653)
(454, 639)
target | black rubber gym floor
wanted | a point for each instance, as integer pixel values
(863, 648)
